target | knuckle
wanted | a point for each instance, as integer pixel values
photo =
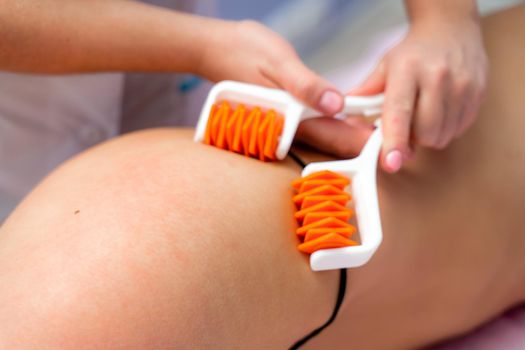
(469, 121)
(443, 142)
(407, 63)
(396, 121)
(482, 86)
(461, 129)
(409, 58)
(428, 138)
(482, 90)
(439, 72)
(463, 84)
(305, 86)
(401, 60)
(397, 129)
(399, 110)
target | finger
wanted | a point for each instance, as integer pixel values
(470, 112)
(373, 84)
(430, 113)
(454, 103)
(308, 86)
(400, 96)
(334, 136)
(472, 106)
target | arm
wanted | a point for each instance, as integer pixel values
(446, 10)
(54, 36)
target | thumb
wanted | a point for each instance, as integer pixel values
(309, 87)
(373, 84)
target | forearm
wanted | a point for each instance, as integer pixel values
(53, 36)
(448, 10)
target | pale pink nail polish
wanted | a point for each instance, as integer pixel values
(330, 102)
(394, 160)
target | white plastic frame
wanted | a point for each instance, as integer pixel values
(293, 110)
(362, 170)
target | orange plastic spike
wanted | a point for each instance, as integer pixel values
(313, 200)
(310, 184)
(331, 240)
(329, 221)
(237, 145)
(319, 175)
(214, 126)
(216, 123)
(262, 135)
(324, 206)
(207, 134)
(270, 138)
(232, 124)
(313, 217)
(247, 131)
(220, 140)
(279, 122)
(253, 151)
(315, 233)
(322, 190)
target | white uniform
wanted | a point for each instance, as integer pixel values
(45, 120)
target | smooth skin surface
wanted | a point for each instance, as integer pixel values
(140, 244)
(452, 255)
(152, 241)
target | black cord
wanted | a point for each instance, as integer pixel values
(340, 294)
(338, 303)
(296, 158)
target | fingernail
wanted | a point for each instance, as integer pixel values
(394, 159)
(331, 102)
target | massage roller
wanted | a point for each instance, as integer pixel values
(261, 122)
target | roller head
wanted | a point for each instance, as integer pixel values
(268, 134)
(322, 213)
(265, 120)
(334, 252)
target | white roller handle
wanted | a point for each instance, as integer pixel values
(363, 105)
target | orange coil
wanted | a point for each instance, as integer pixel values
(322, 213)
(251, 132)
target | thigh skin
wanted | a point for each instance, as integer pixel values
(452, 256)
(154, 242)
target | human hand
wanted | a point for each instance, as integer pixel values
(434, 81)
(250, 52)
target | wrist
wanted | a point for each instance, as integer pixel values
(214, 47)
(443, 11)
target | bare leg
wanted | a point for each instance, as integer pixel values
(151, 241)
